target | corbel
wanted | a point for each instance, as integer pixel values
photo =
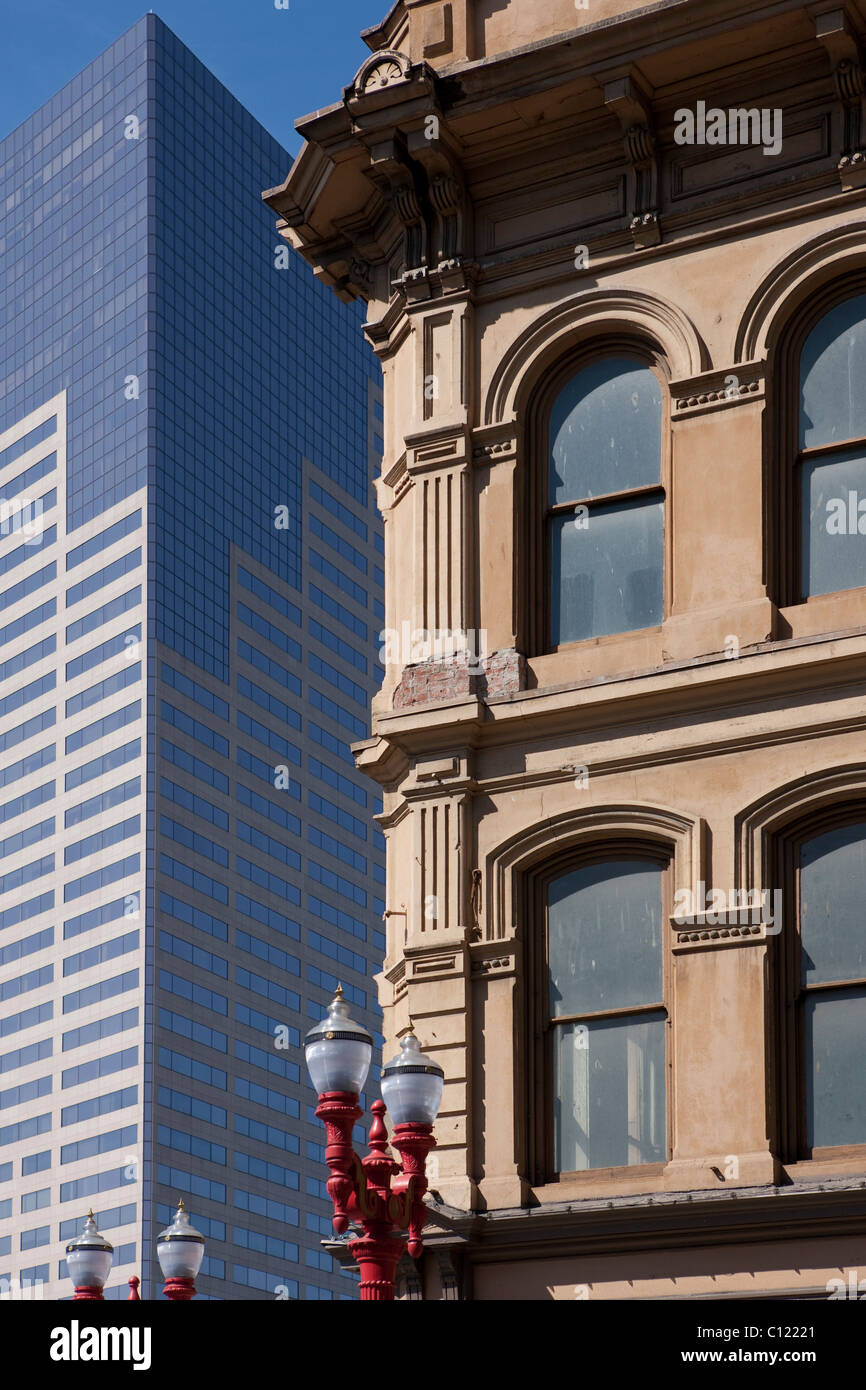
(432, 147)
(394, 174)
(835, 34)
(632, 107)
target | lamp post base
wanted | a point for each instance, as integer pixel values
(377, 1258)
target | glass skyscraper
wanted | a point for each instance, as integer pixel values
(190, 592)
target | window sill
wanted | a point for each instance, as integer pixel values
(682, 639)
(845, 1161)
(825, 613)
(647, 1179)
(603, 1182)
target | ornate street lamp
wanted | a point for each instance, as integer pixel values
(376, 1192)
(180, 1251)
(179, 1248)
(88, 1261)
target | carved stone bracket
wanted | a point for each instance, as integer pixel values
(407, 206)
(448, 1276)
(631, 105)
(408, 1280)
(349, 276)
(438, 154)
(401, 182)
(835, 34)
(416, 162)
(446, 195)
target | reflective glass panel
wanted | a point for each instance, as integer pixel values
(609, 1084)
(835, 1074)
(832, 376)
(604, 938)
(607, 571)
(834, 523)
(605, 431)
(833, 906)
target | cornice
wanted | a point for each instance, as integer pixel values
(380, 116)
(676, 752)
(607, 46)
(677, 1220)
(712, 225)
(390, 32)
(757, 680)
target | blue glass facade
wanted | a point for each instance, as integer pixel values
(75, 270)
(188, 861)
(251, 363)
(199, 364)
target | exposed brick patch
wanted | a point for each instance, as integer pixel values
(438, 681)
(504, 673)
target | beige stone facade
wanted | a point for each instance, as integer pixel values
(502, 184)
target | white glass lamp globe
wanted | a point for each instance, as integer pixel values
(412, 1085)
(338, 1051)
(88, 1257)
(180, 1247)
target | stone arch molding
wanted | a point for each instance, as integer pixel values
(759, 823)
(803, 273)
(382, 69)
(592, 314)
(604, 825)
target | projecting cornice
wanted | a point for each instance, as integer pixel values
(677, 1219)
(380, 200)
(376, 200)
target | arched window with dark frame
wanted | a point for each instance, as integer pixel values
(603, 510)
(823, 1028)
(830, 470)
(600, 1006)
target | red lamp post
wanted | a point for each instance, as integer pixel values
(375, 1192)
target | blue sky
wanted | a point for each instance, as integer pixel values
(280, 63)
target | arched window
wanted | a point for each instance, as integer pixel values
(828, 987)
(604, 507)
(831, 455)
(603, 1015)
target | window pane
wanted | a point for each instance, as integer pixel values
(605, 431)
(833, 906)
(835, 1075)
(833, 368)
(607, 574)
(609, 1084)
(834, 545)
(604, 938)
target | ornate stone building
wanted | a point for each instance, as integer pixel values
(614, 259)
